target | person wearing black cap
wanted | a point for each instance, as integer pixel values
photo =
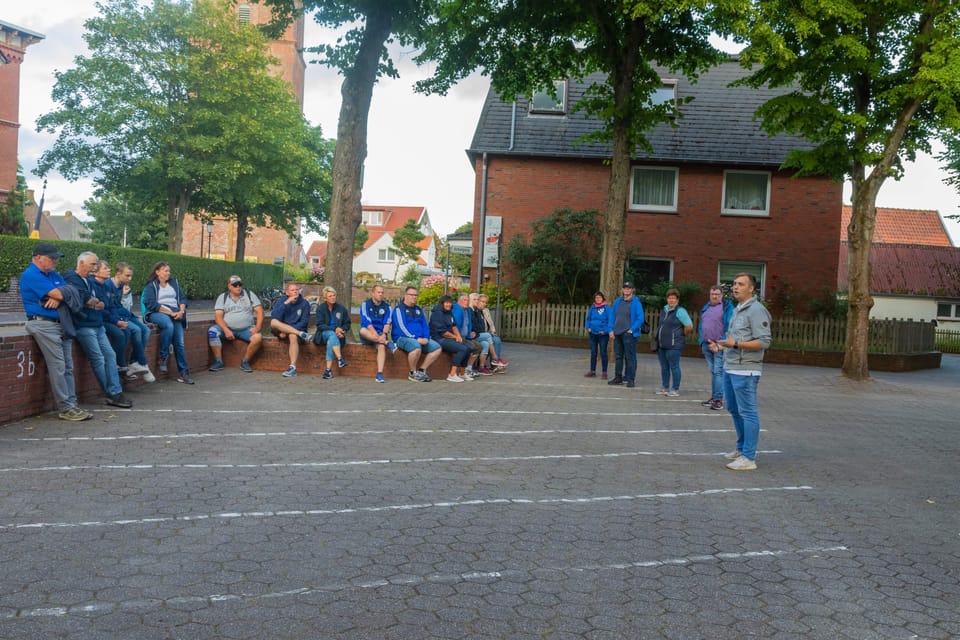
(41, 295)
(627, 321)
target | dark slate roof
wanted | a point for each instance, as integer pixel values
(909, 269)
(717, 126)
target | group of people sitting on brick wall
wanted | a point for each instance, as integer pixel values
(466, 330)
(95, 307)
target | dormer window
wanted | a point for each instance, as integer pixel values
(666, 94)
(543, 102)
(372, 218)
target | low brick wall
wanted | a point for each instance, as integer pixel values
(831, 359)
(361, 359)
(27, 389)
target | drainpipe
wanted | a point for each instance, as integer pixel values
(513, 125)
(483, 219)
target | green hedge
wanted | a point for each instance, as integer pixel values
(202, 279)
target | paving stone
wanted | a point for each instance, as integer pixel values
(529, 505)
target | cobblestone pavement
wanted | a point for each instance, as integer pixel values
(537, 504)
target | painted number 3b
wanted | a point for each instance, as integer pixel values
(25, 364)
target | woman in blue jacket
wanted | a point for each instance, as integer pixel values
(599, 325)
(164, 304)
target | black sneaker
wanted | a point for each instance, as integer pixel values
(617, 380)
(119, 400)
(629, 384)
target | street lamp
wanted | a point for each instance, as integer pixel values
(209, 237)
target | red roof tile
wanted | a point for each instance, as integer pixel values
(909, 269)
(904, 226)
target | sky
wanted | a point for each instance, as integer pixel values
(416, 144)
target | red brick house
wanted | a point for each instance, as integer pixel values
(709, 201)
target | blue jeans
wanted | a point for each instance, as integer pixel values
(598, 345)
(139, 336)
(625, 356)
(487, 339)
(103, 360)
(330, 337)
(669, 366)
(119, 339)
(741, 394)
(171, 332)
(715, 366)
(460, 352)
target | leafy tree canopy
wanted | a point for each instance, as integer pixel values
(405, 241)
(174, 102)
(562, 259)
(12, 222)
(526, 45)
(876, 81)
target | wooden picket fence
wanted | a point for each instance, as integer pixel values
(532, 322)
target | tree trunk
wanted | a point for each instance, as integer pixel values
(243, 224)
(351, 151)
(178, 200)
(615, 214)
(615, 218)
(859, 301)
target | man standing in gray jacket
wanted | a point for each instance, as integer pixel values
(746, 341)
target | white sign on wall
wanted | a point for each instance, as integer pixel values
(491, 236)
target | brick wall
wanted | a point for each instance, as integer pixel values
(27, 389)
(799, 241)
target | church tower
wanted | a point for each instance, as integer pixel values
(218, 239)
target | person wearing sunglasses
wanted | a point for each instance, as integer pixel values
(238, 315)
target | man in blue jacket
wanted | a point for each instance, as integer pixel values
(91, 335)
(411, 332)
(40, 292)
(627, 321)
(714, 322)
(375, 326)
(288, 321)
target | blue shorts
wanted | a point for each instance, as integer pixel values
(412, 344)
(215, 335)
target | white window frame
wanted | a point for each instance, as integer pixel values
(384, 255)
(372, 219)
(634, 206)
(731, 211)
(659, 96)
(733, 267)
(954, 308)
(548, 105)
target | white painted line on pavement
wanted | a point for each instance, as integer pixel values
(699, 414)
(366, 432)
(133, 606)
(232, 515)
(356, 463)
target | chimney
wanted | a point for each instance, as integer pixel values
(30, 199)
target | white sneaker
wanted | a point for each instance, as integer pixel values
(733, 455)
(136, 367)
(147, 376)
(742, 464)
(454, 378)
